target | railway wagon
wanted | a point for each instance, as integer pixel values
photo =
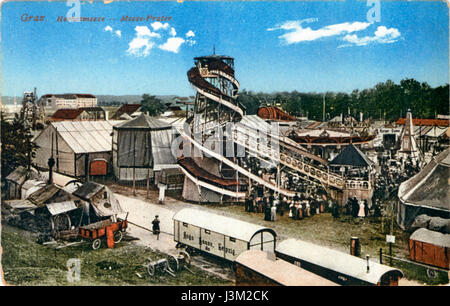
(218, 235)
(259, 268)
(339, 267)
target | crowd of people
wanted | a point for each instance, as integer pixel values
(302, 205)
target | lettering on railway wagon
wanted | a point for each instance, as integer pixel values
(187, 236)
(227, 250)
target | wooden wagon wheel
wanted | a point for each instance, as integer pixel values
(151, 270)
(96, 244)
(118, 236)
(172, 263)
(186, 257)
(60, 222)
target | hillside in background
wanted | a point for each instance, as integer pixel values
(102, 99)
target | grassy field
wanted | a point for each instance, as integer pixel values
(323, 230)
(25, 262)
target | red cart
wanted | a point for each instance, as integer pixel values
(107, 230)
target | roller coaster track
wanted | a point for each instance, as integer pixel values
(287, 152)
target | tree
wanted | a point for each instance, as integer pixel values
(18, 149)
(152, 105)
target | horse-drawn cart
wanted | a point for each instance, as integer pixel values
(107, 230)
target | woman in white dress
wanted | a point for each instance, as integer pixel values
(361, 213)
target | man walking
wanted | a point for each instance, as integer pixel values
(155, 226)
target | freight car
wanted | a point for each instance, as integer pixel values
(336, 266)
(218, 235)
(259, 268)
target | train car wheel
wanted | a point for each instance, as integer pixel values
(118, 236)
(431, 273)
(96, 244)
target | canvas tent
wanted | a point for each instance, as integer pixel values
(351, 156)
(426, 193)
(74, 145)
(142, 143)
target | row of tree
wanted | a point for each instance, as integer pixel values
(385, 100)
(18, 149)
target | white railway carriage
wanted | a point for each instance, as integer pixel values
(219, 235)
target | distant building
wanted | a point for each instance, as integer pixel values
(127, 111)
(85, 113)
(68, 100)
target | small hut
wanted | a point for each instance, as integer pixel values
(15, 181)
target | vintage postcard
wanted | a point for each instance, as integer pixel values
(225, 143)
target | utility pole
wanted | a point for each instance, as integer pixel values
(323, 112)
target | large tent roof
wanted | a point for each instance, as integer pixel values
(86, 136)
(351, 156)
(143, 122)
(429, 187)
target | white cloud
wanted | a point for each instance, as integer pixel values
(297, 33)
(172, 44)
(382, 35)
(108, 28)
(190, 34)
(119, 33)
(140, 47)
(158, 25)
(142, 43)
(144, 31)
(173, 32)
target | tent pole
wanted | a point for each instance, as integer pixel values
(134, 181)
(148, 181)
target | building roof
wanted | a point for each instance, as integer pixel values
(43, 194)
(19, 175)
(126, 109)
(86, 136)
(61, 207)
(88, 190)
(431, 122)
(67, 114)
(280, 271)
(351, 156)
(429, 187)
(336, 261)
(220, 224)
(432, 237)
(321, 133)
(93, 109)
(143, 122)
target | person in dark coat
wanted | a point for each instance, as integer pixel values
(155, 226)
(335, 210)
(355, 207)
(366, 208)
(267, 210)
(251, 203)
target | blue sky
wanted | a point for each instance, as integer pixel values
(304, 46)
